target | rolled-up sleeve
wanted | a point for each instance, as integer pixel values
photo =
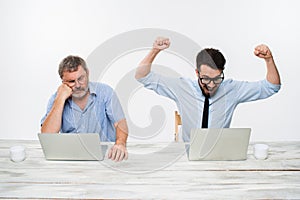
(114, 109)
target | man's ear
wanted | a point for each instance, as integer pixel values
(197, 72)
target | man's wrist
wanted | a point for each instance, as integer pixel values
(269, 59)
(119, 142)
(60, 99)
(155, 51)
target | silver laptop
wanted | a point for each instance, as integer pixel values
(69, 146)
(219, 144)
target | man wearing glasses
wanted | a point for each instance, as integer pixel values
(81, 106)
(209, 101)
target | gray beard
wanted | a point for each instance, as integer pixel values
(80, 95)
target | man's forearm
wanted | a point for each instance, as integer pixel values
(52, 123)
(145, 66)
(121, 132)
(272, 72)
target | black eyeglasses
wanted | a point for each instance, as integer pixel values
(217, 80)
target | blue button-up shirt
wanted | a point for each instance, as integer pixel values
(190, 100)
(102, 111)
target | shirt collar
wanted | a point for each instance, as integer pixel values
(92, 88)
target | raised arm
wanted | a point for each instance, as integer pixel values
(263, 51)
(145, 66)
(52, 123)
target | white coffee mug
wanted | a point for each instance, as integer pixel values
(17, 153)
(261, 151)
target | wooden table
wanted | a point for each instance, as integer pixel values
(153, 171)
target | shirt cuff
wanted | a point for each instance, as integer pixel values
(274, 87)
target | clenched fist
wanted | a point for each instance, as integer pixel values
(263, 51)
(161, 43)
(64, 91)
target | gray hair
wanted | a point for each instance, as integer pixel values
(71, 64)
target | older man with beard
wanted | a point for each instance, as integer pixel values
(81, 106)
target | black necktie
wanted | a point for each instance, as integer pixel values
(205, 113)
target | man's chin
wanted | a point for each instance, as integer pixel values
(79, 95)
(211, 92)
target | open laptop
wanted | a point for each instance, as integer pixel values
(66, 146)
(219, 144)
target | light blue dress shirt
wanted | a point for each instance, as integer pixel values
(103, 109)
(190, 100)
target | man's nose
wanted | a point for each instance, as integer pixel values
(77, 84)
(211, 84)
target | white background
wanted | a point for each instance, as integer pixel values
(36, 35)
